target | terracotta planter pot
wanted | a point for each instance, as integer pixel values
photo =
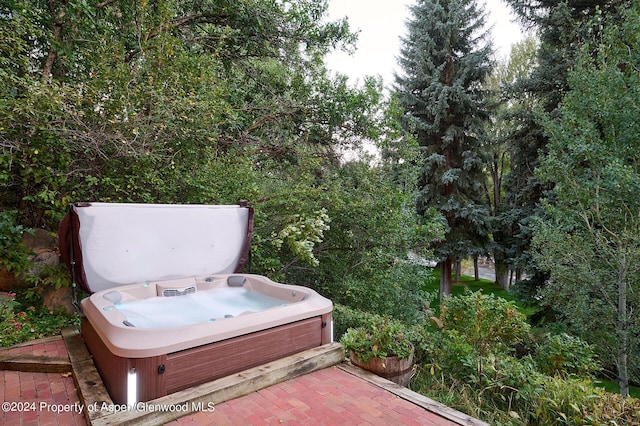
(391, 368)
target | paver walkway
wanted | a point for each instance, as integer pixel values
(330, 396)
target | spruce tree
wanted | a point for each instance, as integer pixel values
(445, 57)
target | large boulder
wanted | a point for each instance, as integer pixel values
(8, 281)
(60, 299)
(40, 239)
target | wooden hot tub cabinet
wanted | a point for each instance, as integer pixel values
(164, 374)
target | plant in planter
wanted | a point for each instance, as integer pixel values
(381, 347)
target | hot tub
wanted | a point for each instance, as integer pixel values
(169, 306)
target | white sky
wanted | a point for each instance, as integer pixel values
(382, 22)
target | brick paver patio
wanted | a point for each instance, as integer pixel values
(331, 396)
(325, 397)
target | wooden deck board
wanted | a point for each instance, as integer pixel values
(34, 363)
(91, 390)
(43, 340)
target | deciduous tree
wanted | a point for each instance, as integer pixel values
(559, 25)
(589, 238)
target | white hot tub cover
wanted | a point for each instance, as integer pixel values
(108, 245)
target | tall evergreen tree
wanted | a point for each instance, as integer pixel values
(445, 58)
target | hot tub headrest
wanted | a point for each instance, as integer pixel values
(113, 296)
(236, 280)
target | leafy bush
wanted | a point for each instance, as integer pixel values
(563, 354)
(24, 318)
(378, 338)
(394, 292)
(49, 277)
(14, 255)
(567, 401)
(345, 318)
(472, 357)
(444, 352)
(489, 324)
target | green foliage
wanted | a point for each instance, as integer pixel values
(563, 354)
(445, 59)
(467, 366)
(48, 277)
(378, 338)
(14, 255)
(565, 401)
(24, 318)
(209, 102)
(302, 233)
(345, 318)
(489, 324)
(363, 257)
(444, 352)
(212, 102)
(561, 27)
(395, 291)
(505, 245)
(169, 102)
(589, 236)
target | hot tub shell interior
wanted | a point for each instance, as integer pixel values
(163, 360)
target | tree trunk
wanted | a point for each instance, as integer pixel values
(623, 373)
(457, 270)
(47, 69)
(502, 274)
(623, 376)
(476, 269)
(445, 278)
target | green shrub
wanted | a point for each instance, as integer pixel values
(563, 354)
(564, 401)
(49, 277)
(391, 292)
(444, 352)
(345, 318)
(496, 380)
(14, 255)
(470, 365)
(24, 318)
(378, 338)
(489, 324)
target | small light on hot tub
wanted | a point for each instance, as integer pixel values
(132, 387)
(109, 308)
